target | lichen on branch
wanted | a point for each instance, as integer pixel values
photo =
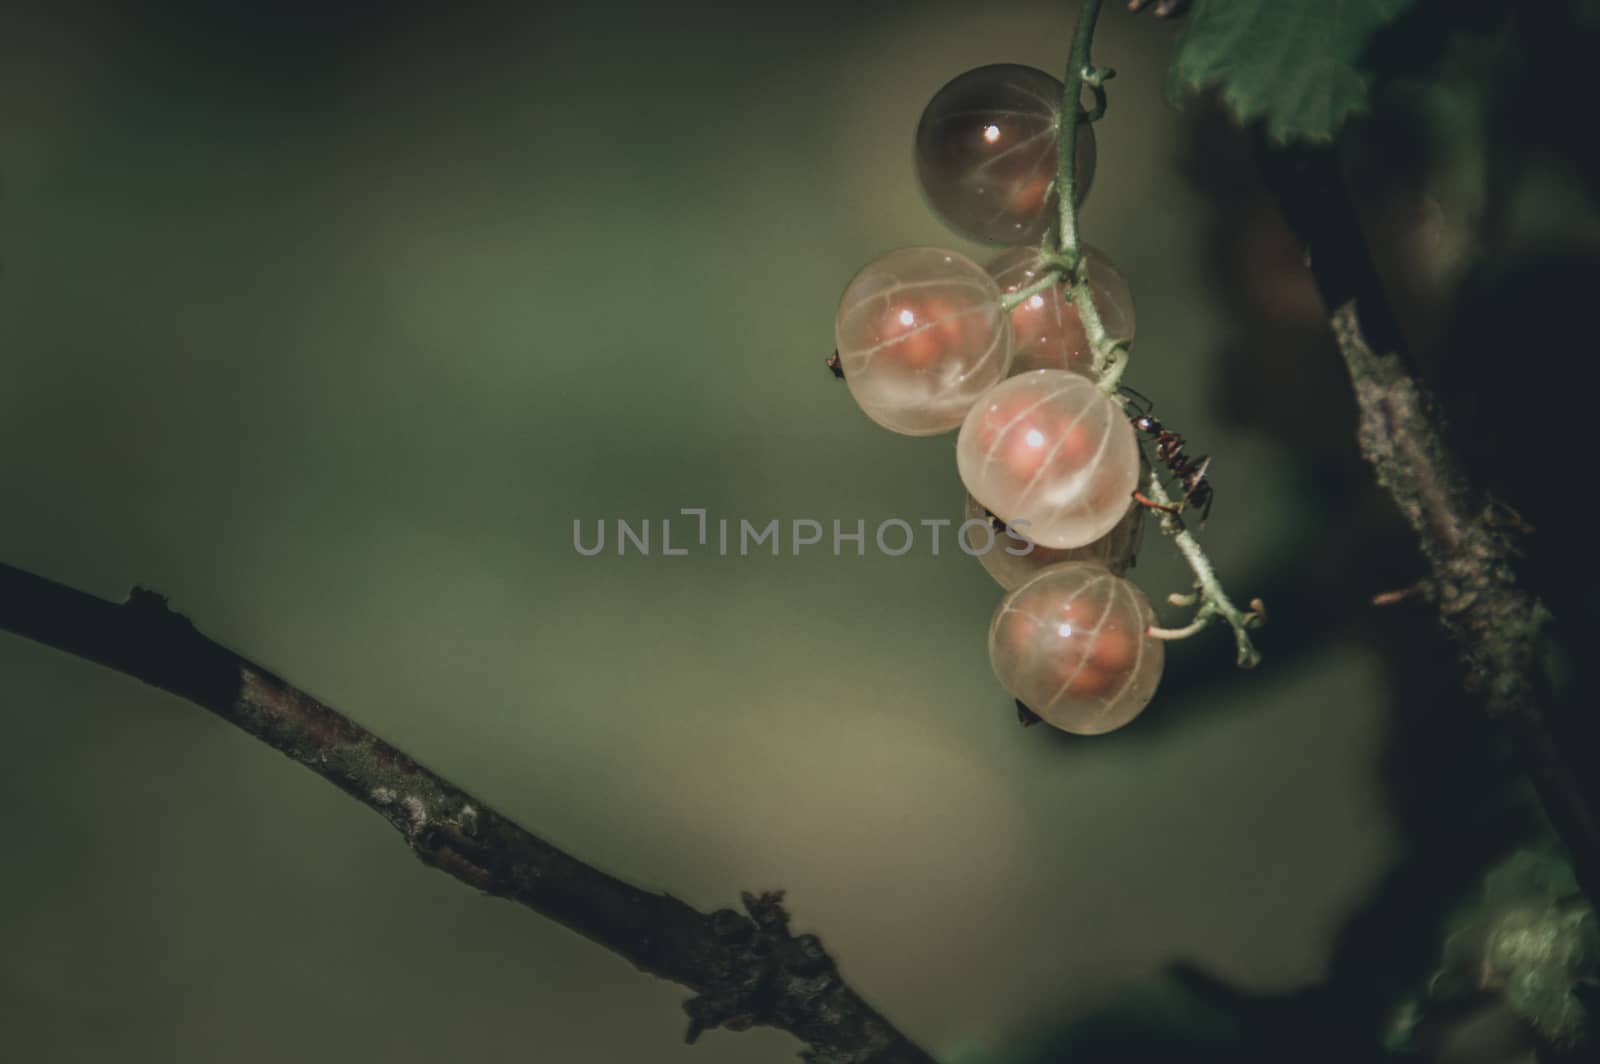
(1468, 543)
(1472, 577)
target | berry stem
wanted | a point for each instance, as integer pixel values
(1116, 360)
(1050, 279)
(1071, 119)
(1202, 618)
(1107, 371)
(1110, 356)
(1079, 72)
(1214, 600)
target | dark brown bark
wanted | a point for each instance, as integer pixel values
(747, 969)
(1469, 544)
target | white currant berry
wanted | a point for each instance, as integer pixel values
(1073, 645)
(921, 336)
(1115, 550)
(1048, 331)
(1051, 449)
(986, 153)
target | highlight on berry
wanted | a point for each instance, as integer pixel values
(986, 153)
(1026, 356)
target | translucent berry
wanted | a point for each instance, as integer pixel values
(1050, 449)
(1071, 644)
(986, 153)
(1115, 550)
(921, 336)
(1049, 334)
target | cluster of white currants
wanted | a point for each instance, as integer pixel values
(928, 341)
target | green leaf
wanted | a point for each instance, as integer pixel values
(1531, 939)
(1293, 63)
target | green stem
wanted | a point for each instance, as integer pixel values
(1071, 119)
(1110, 354)
(1116, 360)
(1101, 342)
(1202, 617)
(1213, 600)
(1050, 279)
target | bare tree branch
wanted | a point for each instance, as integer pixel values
(747, 969)
(1491, 616)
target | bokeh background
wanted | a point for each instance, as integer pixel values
(328, 325)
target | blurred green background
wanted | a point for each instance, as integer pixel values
(328, 325)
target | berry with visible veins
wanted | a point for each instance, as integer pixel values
(921, 336)
(1049, 448)
(1115, 550)
(1072, 644)
(1049, 333)
(986, 153)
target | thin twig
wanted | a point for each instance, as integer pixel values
(1110, 354)
(747, 969)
